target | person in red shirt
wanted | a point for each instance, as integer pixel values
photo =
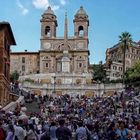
(2, 132)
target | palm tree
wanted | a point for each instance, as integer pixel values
(125, 43)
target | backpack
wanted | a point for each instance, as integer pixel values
(2, 134)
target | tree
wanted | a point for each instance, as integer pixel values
(14, 76)
(99, 73)
(132, 76)
(125, 43)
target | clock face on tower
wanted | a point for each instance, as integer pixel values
(80, 45)
(46, 45)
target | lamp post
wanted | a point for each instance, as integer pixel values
(104, 85)
(54, 83)
(99, 86)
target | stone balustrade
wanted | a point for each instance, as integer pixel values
(96, 88)
(11, 106)
(83, 86)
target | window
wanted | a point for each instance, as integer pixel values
(80, 65)
(5, 68)
(47, 65)
(5, 43)
(23, 59)
(81, 31)
(59, 67)
(133, 50)
(114, 67)
(47, 31)
(120, 61)
(127, 50)
(6, 46)
(120, 68)
(138, 52)
(23, 68)
(113, 74)
(38, 63)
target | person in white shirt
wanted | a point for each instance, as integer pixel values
(81, 132)
(19, 131)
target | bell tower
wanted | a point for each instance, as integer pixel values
(81, 23)
(48, 24)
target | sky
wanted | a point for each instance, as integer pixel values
(107, 20)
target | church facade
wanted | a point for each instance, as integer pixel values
(61, 61)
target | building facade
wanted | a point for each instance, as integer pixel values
(24, 63)
(114, 57)
(6, 39)
(60, 60)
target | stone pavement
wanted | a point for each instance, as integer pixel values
(32, 107)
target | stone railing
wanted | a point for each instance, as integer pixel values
(13, 97)
(74, 86)
(12, 105)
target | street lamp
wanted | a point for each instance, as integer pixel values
(99, 87)
(104, 82)
(54, 83)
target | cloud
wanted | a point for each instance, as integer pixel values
(63, 2)
(55, 7)
(43, 4)
(24, 10)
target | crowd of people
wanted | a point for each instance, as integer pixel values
(63, 117)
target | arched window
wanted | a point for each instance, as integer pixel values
(47, 31)
(81, 31)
